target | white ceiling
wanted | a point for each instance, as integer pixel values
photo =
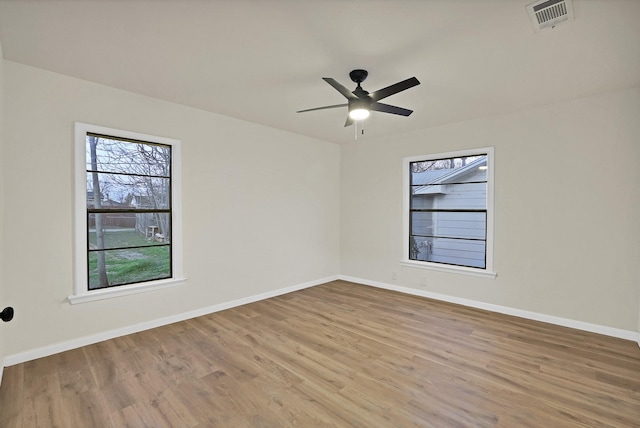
(262, 61)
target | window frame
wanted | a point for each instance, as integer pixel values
(81, 291)
(488, 270)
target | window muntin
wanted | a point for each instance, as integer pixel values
(137, 206)
(449, 215)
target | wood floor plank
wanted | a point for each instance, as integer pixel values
(335, 355)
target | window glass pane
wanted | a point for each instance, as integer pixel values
(450, 196)
(453, 170)
(468, 225)
(459, 252)
(128, 266)
(112, 155)
(119, 237)
(119, 191)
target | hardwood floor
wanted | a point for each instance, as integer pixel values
(338, 354)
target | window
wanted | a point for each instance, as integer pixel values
(128, 234)
(449, 212)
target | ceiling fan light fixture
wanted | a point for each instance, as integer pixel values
(359, 114)
(358, 109)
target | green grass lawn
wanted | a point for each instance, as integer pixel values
(129, 265)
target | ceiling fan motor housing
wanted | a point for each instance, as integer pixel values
(358, 76)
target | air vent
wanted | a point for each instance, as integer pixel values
(549, 13)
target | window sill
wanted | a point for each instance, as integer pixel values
(109, 293)
(481, 273)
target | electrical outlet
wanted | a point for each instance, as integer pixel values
(394, 276)
(423, 281)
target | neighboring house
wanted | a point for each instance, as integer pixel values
(105, 202)
(451, 228)
(141, 201)
(111, 220)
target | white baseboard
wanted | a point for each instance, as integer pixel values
(89, 340)
(565, 322)
(100, 337)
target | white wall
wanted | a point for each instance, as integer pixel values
(3, 302)
(260, 207)
(567, 192)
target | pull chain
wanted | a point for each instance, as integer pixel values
(356, 129)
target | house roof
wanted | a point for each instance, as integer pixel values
(455, 174)
(261, 61)
(426, 177)
(431, 179)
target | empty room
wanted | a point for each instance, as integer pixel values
(336, 213)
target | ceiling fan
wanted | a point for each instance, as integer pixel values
(361, 102)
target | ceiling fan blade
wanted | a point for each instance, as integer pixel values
(386, 108)
(394, 89)
(322, 108)
(349, 121)
(344, 91)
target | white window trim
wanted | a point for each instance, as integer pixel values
(81, 292)
(488, 272)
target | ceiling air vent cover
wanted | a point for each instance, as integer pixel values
(549, 13)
